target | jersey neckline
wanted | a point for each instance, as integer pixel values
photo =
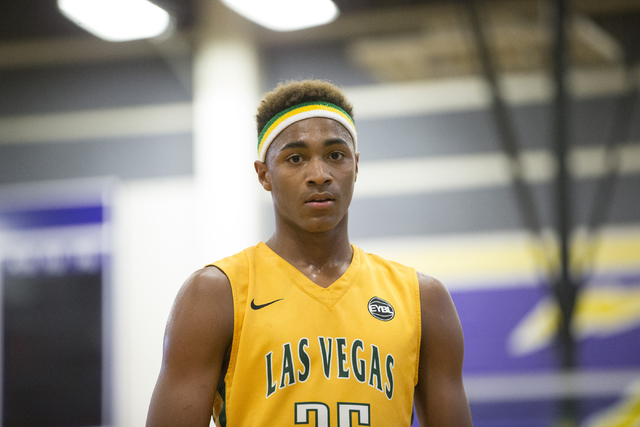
(328, 296)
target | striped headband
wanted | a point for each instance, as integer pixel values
(299, 112)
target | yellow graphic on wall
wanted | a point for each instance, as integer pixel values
(601, 311)
(623, 414)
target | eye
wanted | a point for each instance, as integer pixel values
(295, 158)
(336, 155)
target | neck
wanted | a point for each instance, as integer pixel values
(322, 257)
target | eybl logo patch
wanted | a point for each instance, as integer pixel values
(380, 309)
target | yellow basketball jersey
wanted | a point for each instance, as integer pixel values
(346, 355)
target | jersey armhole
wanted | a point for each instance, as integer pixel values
(416, 286)
(237, 270)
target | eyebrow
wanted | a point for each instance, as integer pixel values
(294, 144)
(335, 141)
(303, 144)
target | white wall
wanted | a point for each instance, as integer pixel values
(155, 246)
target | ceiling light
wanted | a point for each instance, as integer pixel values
(286, 15)
(117, 20)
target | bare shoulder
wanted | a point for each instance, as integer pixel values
(208, 283)
(204, 302)
(430, 283)
(196, 344)
(440, 397)
(440, 322)
(207, 280)
(433, 294)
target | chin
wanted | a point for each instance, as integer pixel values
(323, 225)
(319, 228)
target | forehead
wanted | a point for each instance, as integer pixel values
(310, 130)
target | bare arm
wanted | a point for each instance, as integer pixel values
(440, 397)
(197, 339)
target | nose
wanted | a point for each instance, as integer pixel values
(318, 172)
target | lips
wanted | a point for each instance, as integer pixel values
(322, 197)
(320, 200)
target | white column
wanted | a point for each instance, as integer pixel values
(226, 85)
(179, 225)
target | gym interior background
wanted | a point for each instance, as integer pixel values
(500, 153)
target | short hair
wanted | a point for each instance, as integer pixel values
(295, 92)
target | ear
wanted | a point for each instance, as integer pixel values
(357, 160)
(263, 174)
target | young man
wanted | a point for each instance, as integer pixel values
(306, 328)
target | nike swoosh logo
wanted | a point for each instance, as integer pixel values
(258, 307)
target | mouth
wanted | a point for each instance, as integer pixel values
(320, 200)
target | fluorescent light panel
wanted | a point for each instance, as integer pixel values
(117, 20)
(286, 15)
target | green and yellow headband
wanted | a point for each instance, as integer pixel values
(299, 112)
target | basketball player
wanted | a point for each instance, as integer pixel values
(305, 328)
